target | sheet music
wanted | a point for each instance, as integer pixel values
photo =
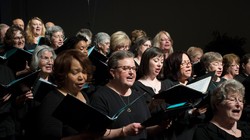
(201, 85)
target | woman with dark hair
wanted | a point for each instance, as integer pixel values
(151, 67)
(139, 46)
(178, 70)
(75, 42)
(15, 38)
(71, 71)
(149, 70)
(244, 68)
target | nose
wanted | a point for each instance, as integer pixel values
(82, 76)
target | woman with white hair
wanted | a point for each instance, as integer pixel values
(227, 103)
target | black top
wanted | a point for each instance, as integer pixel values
(138, 86)
(212, 132)
(241, 77)
(7, 126)
(109, 102)
(184, 125)
(42, 125)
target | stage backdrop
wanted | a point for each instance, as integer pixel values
(190, 23)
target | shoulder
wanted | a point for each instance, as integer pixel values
(137, 85)
(203, 131)
(245, 129)
(168, 83)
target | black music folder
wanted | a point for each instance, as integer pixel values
(16, 59)
(101, 74)
(183, 93)
(41, 88)
(170, 113)
(81, 116)
(16, 52)
(20, 85)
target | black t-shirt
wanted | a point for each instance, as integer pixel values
(212, 132)
(109, 102)
(43, 125)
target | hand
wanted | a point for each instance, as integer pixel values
(24, 97)
(132, 129)
(6, 97)
(25, 70)
(155, 102)
(198, 111)
(166, 124)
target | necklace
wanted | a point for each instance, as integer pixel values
(128, 110)
(152, 85)
(233, 131)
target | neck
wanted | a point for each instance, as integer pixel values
(216, 78)
(183, 81)
(150, 78)
(138, 60)
(119, 89)
(100, 51)
(222, 123)
(44, 75)
(228, 76)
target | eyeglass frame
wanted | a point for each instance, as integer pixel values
(126, 68)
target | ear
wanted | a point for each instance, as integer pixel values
(112, 73)
(243, 66)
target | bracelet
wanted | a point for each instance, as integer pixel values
(122, 131)
(108, 133)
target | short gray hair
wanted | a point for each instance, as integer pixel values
(101, 37)
(53, 29)
(222, 91)
(36, 56)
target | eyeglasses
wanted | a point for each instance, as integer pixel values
(59, 36)
(216, 64)
(186, 63)
(47, 59)
(235, 100)
(234, 65)
(18, 38)
(127, 68)
(106, 43)
(124, 47)
(147, 45)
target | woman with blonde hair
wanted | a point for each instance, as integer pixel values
(34, 30)
(164, 41)
(119, 41)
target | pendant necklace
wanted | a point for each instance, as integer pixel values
(128, 110)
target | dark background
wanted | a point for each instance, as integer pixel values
(191, 22)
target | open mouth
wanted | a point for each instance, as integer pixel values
(236, 111)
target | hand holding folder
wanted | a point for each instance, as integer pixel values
(81, 116)
(170, 113)
(183, 93)
(41, 88)
(20, 85)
